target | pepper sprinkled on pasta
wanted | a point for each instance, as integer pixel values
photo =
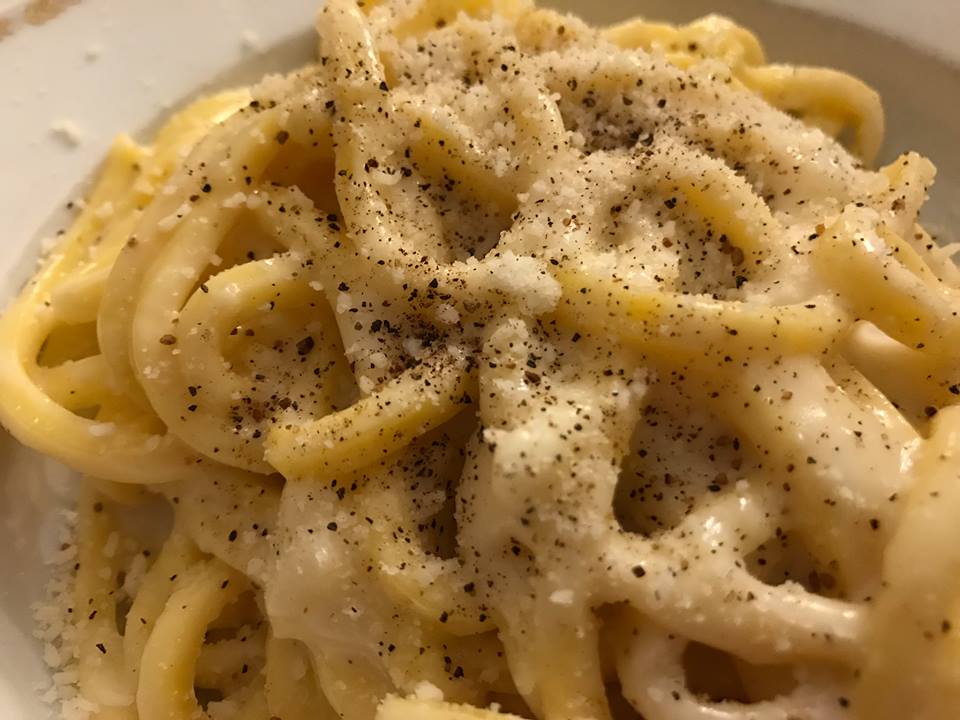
(500, 366)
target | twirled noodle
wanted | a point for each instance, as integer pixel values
(496, 366)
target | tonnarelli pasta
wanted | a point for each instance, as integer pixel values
(499, 366)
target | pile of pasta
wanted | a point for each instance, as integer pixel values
(496, 364)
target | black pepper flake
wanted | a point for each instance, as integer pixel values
(232, 536)
(102, 648)
(305, 346)
(343, 287)
(332, 526)
(930, 411)
(168, 339)
(638, 571)
(282, 137)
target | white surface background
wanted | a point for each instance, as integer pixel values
(114, 65)
(932, 24)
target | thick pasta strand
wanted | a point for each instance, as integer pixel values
(930, 688)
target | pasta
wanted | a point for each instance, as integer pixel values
(497, 366)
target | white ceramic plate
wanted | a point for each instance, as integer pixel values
(94, 68)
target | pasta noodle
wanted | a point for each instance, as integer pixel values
(497, 366)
